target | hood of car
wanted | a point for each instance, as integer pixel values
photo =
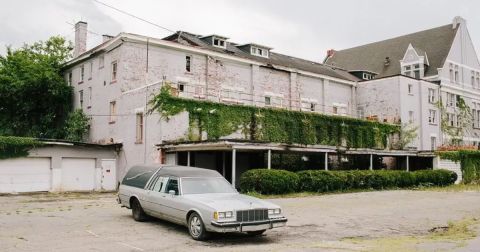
(230, 201)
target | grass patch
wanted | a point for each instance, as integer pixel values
(450, 188)
(453, 188)
(302, 194)
(453, 236)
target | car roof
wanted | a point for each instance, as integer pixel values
(184, 171)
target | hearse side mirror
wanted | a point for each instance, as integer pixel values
(171, 192)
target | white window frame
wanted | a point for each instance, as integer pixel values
(101, 61)
(80, 98)
(113, 112)
(114, 71)
(90, 73)
(188, 63)
(432, 116)
(257, 51)
(410, 89)
(269, 99)
(82, 73)
(411, 116)
(431, 95)
(89, 105)
(139, 123)
(219, 42)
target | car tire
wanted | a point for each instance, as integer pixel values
(256, 233)
(196, 228)
(137, 211)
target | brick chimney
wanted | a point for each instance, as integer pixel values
(80, 38)
(330, 53)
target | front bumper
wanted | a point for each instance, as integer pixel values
(227, 227)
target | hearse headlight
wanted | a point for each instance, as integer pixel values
(274, 211)
(222, 215)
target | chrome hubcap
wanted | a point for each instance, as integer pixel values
(195, 226)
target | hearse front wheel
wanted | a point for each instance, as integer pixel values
(196, 227)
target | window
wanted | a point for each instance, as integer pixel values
(431, 95)
(410, 117)
(113, 111)
(432, 117)
(312, 106)
(457, 101)
(459, 119)
(219, 42)
(101, 61)
(139, 128)
(259, 51)
(268, 100)
(70, 78)
(473, 79)
(82, 73)
(89, 97)
(114, 71)
(456, 75)
(366, 76)
(410, 89)
(433, 141)
(335, 110)
(91, 70)
(407, 71)
(188, 60)
(80, 98)
(451, 72)
(451, 119)
(478, 80)
(172, 185)
(181, 87)
(451, 99)
(158, 184)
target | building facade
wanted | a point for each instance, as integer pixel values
(114, 82)
(428, 80)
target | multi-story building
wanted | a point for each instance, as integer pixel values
(420, 79)
(400, 80)
(114, 82)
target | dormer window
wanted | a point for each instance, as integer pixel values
(259, 51)
(219, 42)
(367, 76)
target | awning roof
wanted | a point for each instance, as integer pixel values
(243, 145)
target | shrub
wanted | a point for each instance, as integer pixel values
(320, 181)
(267, 181)
(435, 177)
(280, 181)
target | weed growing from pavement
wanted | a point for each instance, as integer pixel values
(455, 234)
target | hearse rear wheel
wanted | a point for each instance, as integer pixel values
(137, 211)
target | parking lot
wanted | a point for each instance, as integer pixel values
(94, 222)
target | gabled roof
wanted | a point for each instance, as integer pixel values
(435, 43)
(275, 59)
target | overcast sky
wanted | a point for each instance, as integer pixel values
(302, 28)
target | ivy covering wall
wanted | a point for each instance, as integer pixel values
(469, 163)
(11, 146)
(272, 125)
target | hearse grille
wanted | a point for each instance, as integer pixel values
(252, 215)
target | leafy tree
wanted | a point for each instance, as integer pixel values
(76, 126)
(34, 97)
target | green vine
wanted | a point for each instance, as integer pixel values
(11, 147)
(464, 120)
(469, 163)
(217, 120)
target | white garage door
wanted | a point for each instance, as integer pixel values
(78, 174)
(25, 175)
